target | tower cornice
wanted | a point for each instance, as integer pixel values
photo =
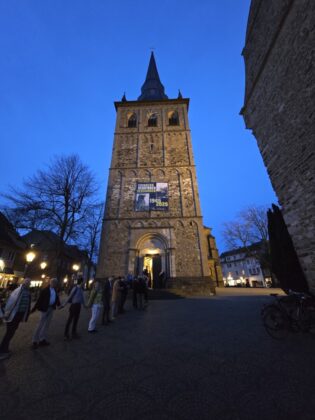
(128, 104)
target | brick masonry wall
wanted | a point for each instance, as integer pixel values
(279, 107)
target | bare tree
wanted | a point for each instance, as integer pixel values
(58, 199)
(91, 233)
(249, 228)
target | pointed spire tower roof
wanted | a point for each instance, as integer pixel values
(152, 89)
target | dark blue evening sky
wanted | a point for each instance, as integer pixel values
(64, 62)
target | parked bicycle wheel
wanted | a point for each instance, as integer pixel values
(275, 322)
(306, 315)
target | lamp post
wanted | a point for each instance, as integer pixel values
(43, 265)
(75, 268)
(29, 258)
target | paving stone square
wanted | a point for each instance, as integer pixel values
(197, 358)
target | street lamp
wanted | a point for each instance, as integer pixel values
(76, 267)
(29, 258)
(1, 265)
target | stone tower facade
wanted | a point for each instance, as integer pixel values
(152, 216)
(279, 56)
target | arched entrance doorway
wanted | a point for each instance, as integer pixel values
(152, 256)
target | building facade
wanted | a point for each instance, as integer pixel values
(152, 217)
(279, 56)
(214, 263)
(12, 253)
(240, 266)
(68, 264)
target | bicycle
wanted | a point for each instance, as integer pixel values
(294, 312)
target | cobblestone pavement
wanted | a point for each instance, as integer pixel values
(198, 358)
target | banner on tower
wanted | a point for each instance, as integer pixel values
(151, 196)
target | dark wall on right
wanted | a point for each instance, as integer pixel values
(279, 108)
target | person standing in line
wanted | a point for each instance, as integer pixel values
(162, 278)
(123, 295)
(106, 301)
(17, 309)
(76, 299)
(135, 290)
(116, 296)
(129, 279)
(46, 303)
(95, 302)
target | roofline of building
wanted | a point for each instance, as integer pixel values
(235, 251)
(152, 103)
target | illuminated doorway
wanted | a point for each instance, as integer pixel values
(152, 255)
(153, 265)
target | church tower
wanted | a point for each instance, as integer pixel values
(152, 215)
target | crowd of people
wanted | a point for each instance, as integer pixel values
(106, 299)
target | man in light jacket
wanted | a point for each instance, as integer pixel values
(17, 309)
(95, 302)
(46, 303)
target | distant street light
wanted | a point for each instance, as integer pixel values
(43, 265)
(1, 265)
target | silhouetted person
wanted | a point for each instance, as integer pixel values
(106, 296)
(123, 295)
(76, 299)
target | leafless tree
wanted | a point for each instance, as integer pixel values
(91, 233)
(249, 227)
(58, 199)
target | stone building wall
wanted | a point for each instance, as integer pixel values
(279, 107)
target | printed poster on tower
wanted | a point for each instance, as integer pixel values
(151, 196)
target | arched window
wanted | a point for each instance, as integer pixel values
(173, 118)
(152, 121)
(132, 121)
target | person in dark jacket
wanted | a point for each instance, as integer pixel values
(46, 303)
(17, 309)
(106, 297)
(123, 295)
(76, 298)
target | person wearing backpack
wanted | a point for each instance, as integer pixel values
(76, 300)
